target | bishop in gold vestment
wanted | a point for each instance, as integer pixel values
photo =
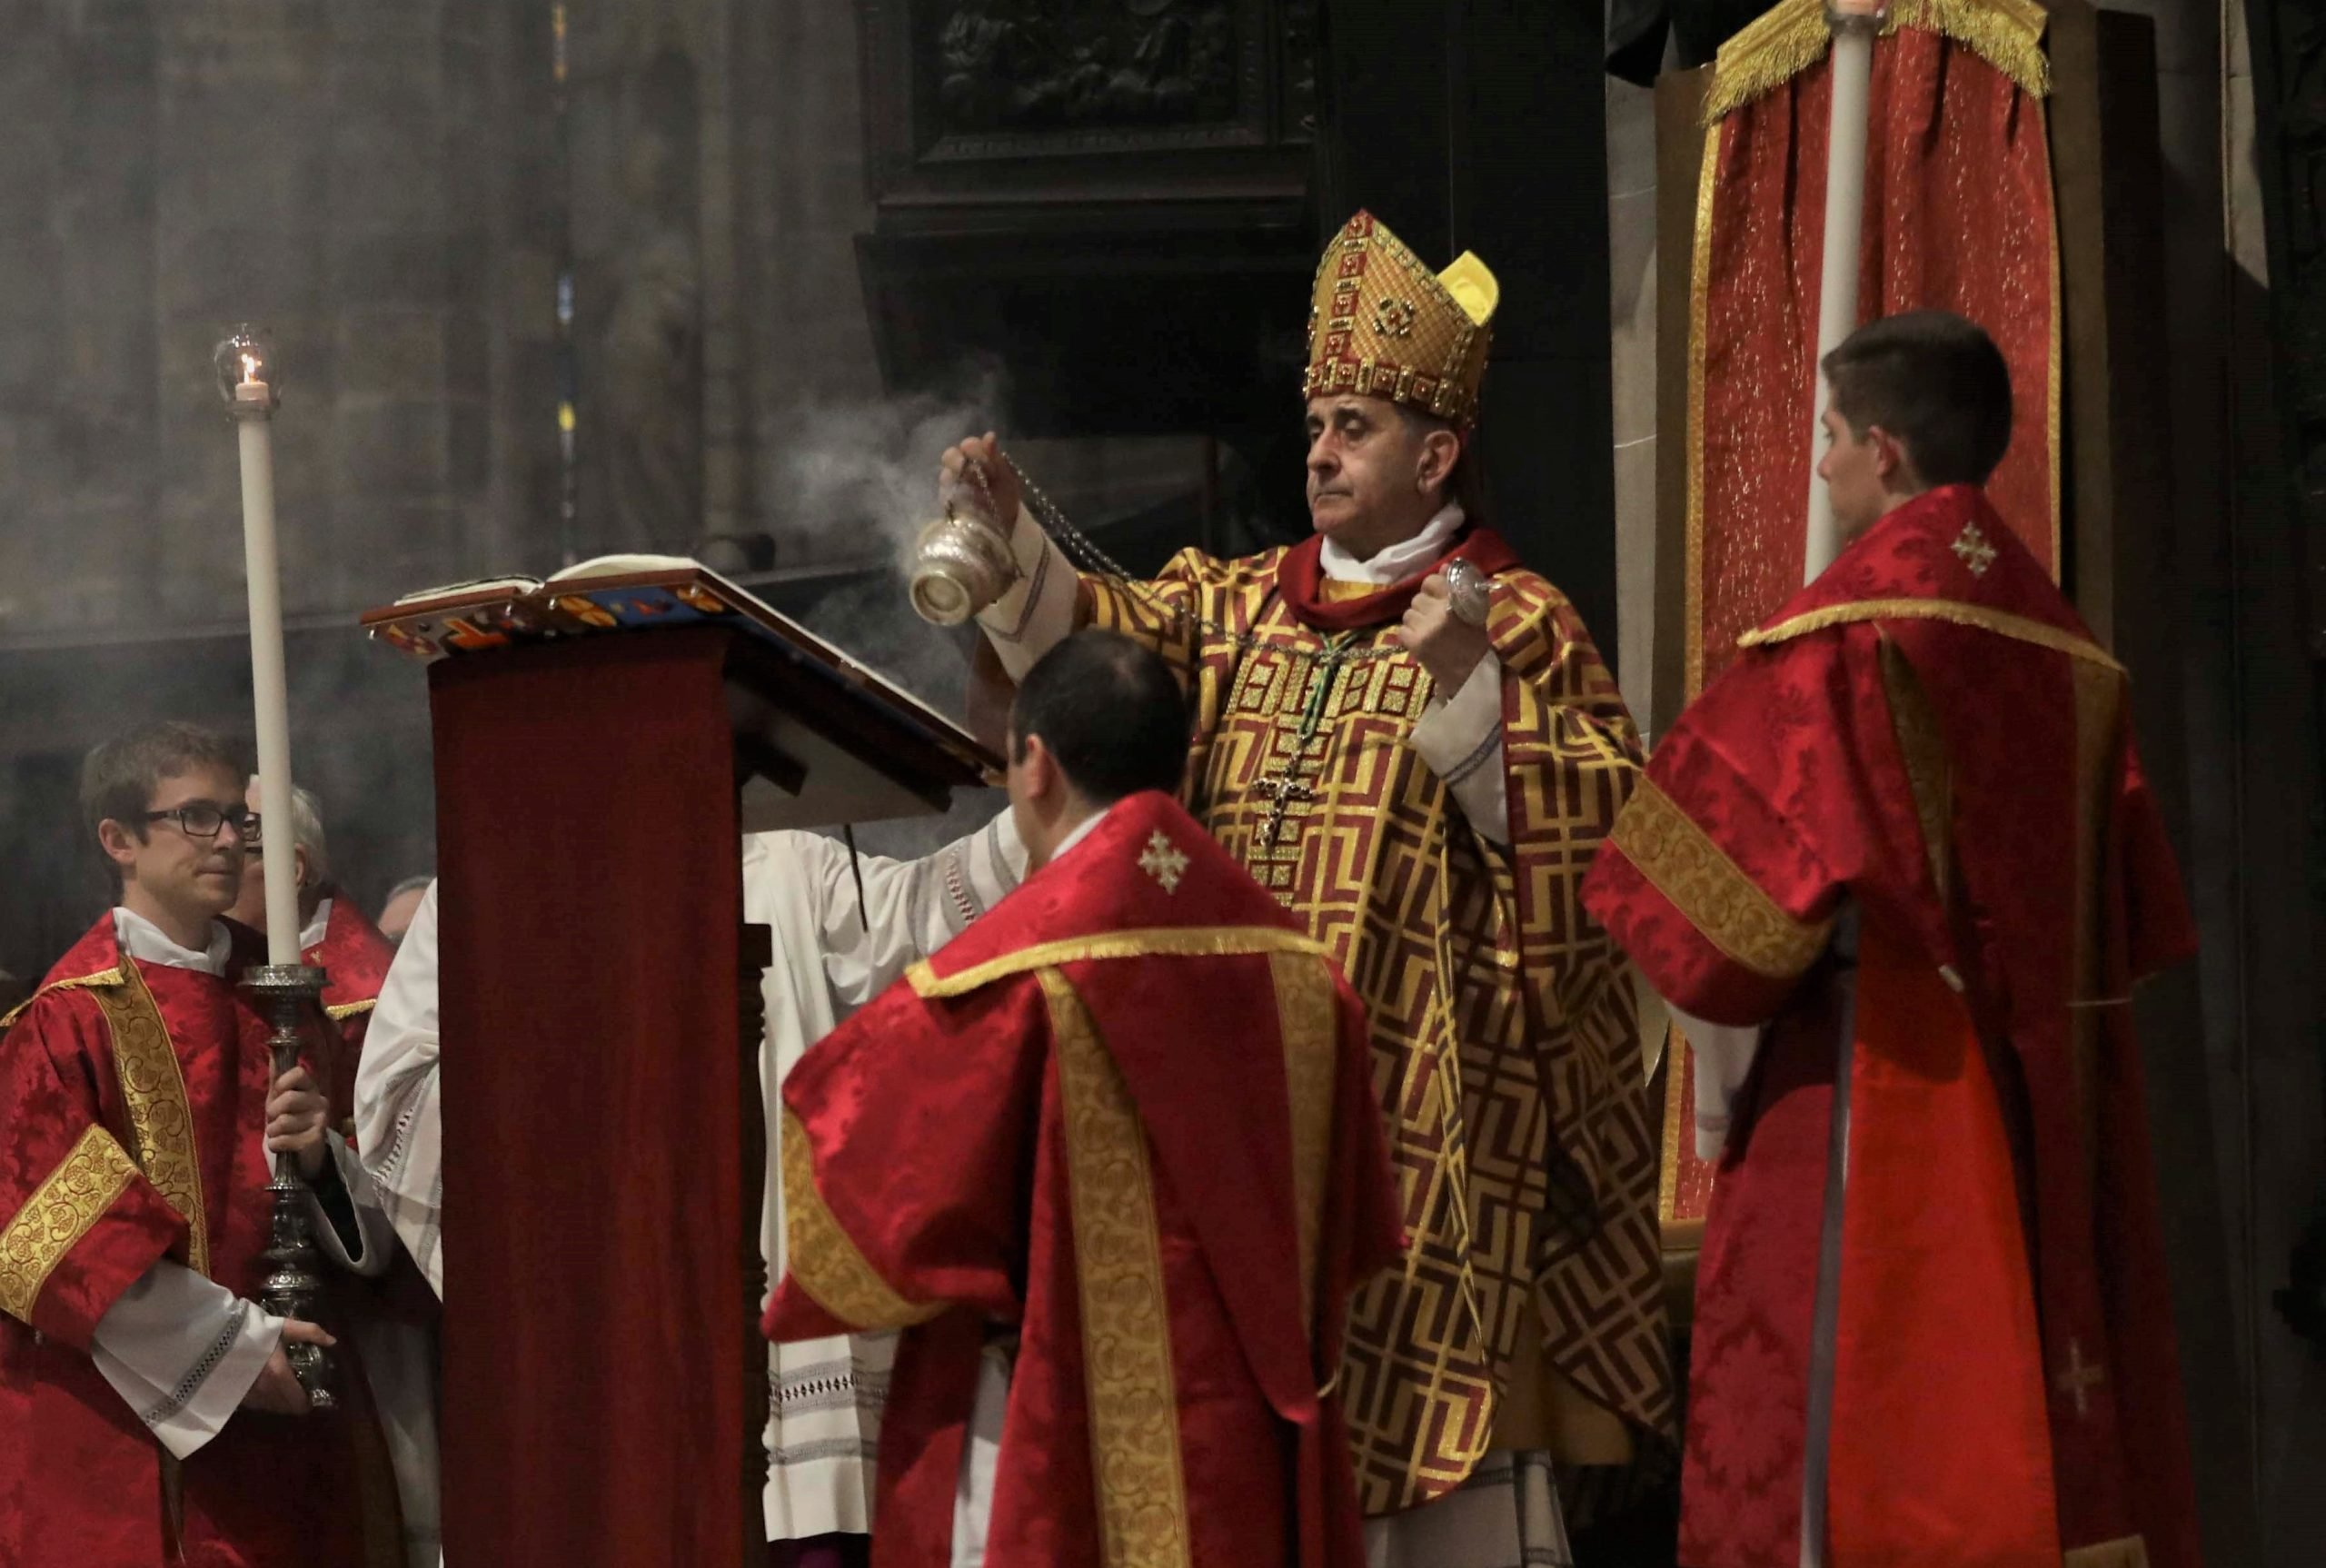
(1410, 739)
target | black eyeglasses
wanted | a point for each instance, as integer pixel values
(201, 819)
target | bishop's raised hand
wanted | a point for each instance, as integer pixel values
(975, 477)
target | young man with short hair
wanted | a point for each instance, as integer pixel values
(147, 1410)
(1113, 1161)
(1899, 867)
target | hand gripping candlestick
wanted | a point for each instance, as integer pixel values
(249, 381)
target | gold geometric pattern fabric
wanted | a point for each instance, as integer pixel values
(57, 1215)
(1504, 1050)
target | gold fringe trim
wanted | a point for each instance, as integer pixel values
(77, 983)
(1791, 37)
(1167, 941)
(1699, 341)
(2002, 623)
(339, 1012)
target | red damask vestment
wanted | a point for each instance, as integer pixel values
(354, 959)
(1505, 1055)
(132, 1120)
(1929, 732)
(1127, 1114)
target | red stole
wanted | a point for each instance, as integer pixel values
(936, 1146)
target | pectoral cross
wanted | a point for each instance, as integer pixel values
(1282, 790)
(2080, 1379)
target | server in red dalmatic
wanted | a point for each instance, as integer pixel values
(147, 1412)
(1902, 850)
(1113, 1158)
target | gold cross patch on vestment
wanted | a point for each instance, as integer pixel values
(1164, 861)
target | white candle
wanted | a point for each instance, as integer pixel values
(1855, 24)
(253, 410)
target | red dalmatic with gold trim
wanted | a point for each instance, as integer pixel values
(132, 1114)
(1929, 732)
(1128, 1117)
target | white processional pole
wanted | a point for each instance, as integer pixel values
(1854, 23)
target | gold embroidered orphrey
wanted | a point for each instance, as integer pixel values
(153, 1088)
(822, 1259)
(1712, 890)
(1164, 860)
(1128, 1382)
(56, 1216)
(1972, 546)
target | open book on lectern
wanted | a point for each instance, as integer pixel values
(821, 739)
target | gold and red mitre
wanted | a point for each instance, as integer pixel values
(1382, 324)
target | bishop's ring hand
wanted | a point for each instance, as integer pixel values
(1468, 591)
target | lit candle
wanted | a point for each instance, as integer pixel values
(251, 397)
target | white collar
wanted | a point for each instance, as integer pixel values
(142, 939)
(1401, 559)
(1082, 830)
(312, 935)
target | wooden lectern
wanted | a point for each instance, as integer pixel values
(601, 744)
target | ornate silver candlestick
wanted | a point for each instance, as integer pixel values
(291, 994)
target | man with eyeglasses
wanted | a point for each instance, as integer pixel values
(147, 1411)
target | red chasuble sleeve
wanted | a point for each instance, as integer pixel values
(78, 1223)
(907, 1146)
(1778, 788)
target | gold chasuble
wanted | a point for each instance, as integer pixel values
(1505, 1042)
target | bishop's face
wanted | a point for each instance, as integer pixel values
(1367, 466)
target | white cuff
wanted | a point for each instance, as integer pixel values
(1722, 1055)
(375, 1237)
(182, 1351)
(1036, 612)
(1461, 739)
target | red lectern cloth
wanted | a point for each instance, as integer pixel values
(598, 1335)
